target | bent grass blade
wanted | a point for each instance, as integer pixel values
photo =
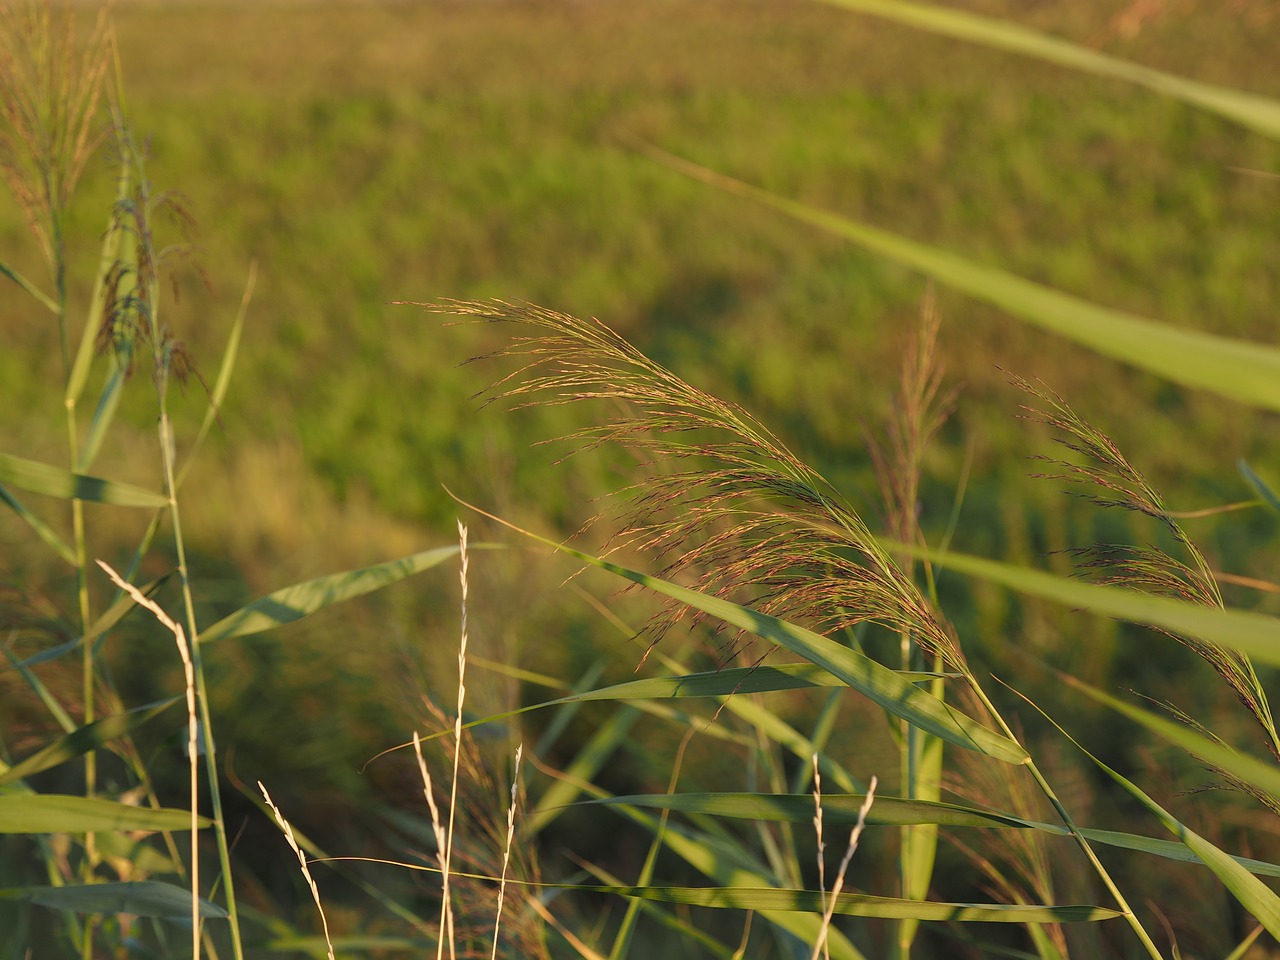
(1258, 113)
(1240, 370)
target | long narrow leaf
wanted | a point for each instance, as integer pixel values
(146, 898)
(55, 813)
(842, 809)
(103, 414)
(1237, 369)
(83, 739)
(1256, 634)
(1254, 895)
(1258, 113)
(42, 529)
(878, 683)
(861, 905)
(1265, 776)
(303, 599)
(56, 482)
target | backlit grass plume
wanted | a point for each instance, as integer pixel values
(733, 508)
(1149, 568)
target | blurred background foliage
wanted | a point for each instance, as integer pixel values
(367, 152)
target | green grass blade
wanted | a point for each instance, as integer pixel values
(103, 414)
(609, 736)
(1258, 484)
(107, 261)
(57, 482)
(83, 739)
(31, 288)
(776, 899)
(1254, 895)
(54, 813)
(1255, 634)
(146, 898)
(878, 683)
(1257, 113)
(303, 599)
(842, 810)
(1263, 775)
(42, 529)
(223, 383)
(838, 809)
(1237, 369)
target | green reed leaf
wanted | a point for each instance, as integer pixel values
(145, 898)
(859, 905)
(55, 813)
(1258, 484)
(1254, 895)
(289, 604)
(56, 482)
(1240, 370)
(878, 683)
(1258, 113)
(83, 739)
(1261, 774)
(42, 529)
(1255, 634)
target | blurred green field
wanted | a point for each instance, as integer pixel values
(362, 153)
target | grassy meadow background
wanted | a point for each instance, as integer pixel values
(361, 153)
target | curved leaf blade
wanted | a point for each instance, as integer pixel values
(1255, 634)
(1240, 370)
(56, 813)
(1258, 113)
(303, 599)
(144, 898)
(861, 905)
(83, 739)
(56, 482)
(876, 682)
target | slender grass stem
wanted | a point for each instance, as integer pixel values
(197, 660)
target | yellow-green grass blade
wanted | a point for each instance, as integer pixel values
(920, 841)
(1237, 369)
(122, 604)
(319, 947)
(55, 813)
(713, 683)
(107, 262)
(223, 383)
(667, 918)
(1255, 634)
(776, 899)
(784, 735)
(144, 898)
(292, 603)
(1263, 775)
(842, 810)
(1258, 113)
(103, 414)
(44, 299)
(728, 864)
(609, 736)
(56, 482)
(80, 741)
(42, 691)
(42, 529)
(878, 683)
(1264, 490)
(1254, 895)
